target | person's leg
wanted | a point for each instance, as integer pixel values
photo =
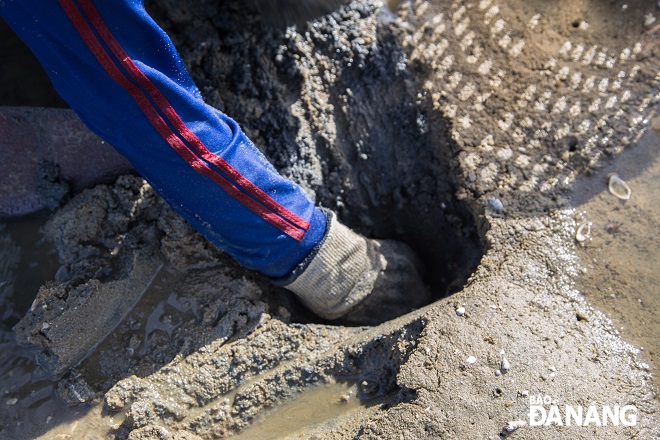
(122, 75)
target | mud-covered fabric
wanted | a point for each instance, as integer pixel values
(122, 75)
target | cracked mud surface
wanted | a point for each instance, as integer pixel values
(454, 126)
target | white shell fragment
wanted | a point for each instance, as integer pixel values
(471, 360)
(513, 425)
(496, 205)
(505, 365)
(619, 187)
(460, 311)
(583, 232)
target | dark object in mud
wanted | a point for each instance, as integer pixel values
(50, 152)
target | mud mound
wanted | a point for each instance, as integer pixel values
(443, 123)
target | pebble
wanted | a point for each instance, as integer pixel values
(524, 393)
(498, 373)
(496, 205)
(471, 360)
(655, 124)
(460, 311)
(505, 365)
(649, 19)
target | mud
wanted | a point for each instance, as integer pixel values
(457, 127)
(620, 254)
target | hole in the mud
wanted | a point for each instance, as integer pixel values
(571, 143)
(390, 170)
(576, 24)
(364, 138)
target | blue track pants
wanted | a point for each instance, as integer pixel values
(122, 75)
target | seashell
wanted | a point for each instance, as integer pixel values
(583, 232)
(513, 425)
(460, 311)
(505, 365)
(471, 360)
(619, 187)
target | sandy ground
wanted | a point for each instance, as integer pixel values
(457, 127)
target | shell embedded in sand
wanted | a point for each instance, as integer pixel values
(583, 232)
(619, 187)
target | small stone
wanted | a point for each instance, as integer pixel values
(498, 373)
(471, 360)
(505, 365)
(655, 124)
(553, 369)
(524, 393)
(496, 205)
(460, 311)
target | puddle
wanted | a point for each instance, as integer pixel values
(28, 402)
(622, 253)
(30, 409)
(35, 263)
(322, 406)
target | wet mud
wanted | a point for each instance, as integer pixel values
(620, 251)
(458, 127)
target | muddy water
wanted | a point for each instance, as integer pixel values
(320, 406)
(28, 402)
(622, 253)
